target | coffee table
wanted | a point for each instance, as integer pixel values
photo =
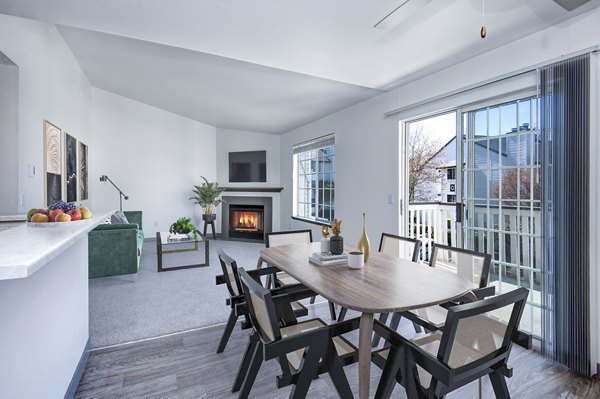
(191, 244)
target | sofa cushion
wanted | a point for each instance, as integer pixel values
(119, 218)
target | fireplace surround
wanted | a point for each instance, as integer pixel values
(246, 218)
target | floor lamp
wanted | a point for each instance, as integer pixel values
(122, 195)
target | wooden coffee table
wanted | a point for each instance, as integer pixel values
(192, 244)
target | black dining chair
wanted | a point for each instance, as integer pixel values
(304, 349)
(471, 345)
(278, 238)
(402, 247)
(231, 279)
(472, 265)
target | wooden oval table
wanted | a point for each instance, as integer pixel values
(385, 284)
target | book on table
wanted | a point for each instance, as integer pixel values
(328, 259)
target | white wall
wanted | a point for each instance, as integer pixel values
(153, 156)
(367, 144)
(52, 86)
(236, 140)
(9, 136)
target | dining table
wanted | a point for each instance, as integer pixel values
(385, 284)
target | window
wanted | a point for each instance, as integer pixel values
(451, 198)
(451, 174)
(314, 179)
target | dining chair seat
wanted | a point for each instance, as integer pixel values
(285, 279)
(342, 346)
(471, 265)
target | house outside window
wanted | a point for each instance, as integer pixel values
(451, 173)
(314, 179)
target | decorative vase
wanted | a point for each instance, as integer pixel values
(336, 245)
(364, 245)
(325, 245)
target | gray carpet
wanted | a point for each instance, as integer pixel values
(161, 303)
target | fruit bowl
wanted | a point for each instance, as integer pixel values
(54, 224)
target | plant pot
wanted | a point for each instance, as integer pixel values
(336, 245)
(209, 218)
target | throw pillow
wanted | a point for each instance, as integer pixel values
(119, 218)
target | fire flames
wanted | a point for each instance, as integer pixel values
(246, 220)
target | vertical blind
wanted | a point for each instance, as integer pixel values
(564, 89)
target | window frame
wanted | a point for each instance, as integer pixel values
(314, 185)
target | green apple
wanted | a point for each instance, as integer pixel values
(31, 213)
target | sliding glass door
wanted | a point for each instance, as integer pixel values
(502, 193)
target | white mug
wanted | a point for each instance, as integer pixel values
(356, 260)
(325, 245)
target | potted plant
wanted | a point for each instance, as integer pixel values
(183, 225)
(206, 195)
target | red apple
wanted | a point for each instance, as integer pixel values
(63, 217)
(75, 214)
(55, 213)
(43, 211)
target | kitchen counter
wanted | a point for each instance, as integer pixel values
(25, 249)
(44, 308)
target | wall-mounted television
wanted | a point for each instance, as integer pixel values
(248, 167)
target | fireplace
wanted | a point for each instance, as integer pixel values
(246, 221)
(246, 218)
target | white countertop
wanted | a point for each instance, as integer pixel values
(26, 249)
(13, 218)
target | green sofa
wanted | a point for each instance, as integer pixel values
(115, 249)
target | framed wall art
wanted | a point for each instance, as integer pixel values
(83, 172)
(71, 167)
(52, 163)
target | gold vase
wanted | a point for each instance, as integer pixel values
(364, 245)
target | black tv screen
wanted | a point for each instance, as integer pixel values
(248, 167)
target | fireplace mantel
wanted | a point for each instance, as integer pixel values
(254, 189)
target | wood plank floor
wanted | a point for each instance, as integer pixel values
(185, 365)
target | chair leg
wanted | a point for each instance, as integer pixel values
(257, 359)
(308, 369)
(376, 337)
(499, 385)
(409, 378)
(417, 327)
(312, 299)
(227, 333)
(336, 372)
(395, 321)
(342, 314)
(243, 369)
(332, 310)
(388, 377)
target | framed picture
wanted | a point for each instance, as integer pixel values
(83, 171)
(71, 167)
(52, 163)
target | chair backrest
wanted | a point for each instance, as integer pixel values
(277, 238)
(471, 265)
(260, 308)
(402, 247)
(229, 267)
(472, 334)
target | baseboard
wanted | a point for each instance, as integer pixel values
(70, 394)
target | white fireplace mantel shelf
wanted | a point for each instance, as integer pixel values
(254, 189)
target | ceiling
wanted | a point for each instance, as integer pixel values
(273, 65)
